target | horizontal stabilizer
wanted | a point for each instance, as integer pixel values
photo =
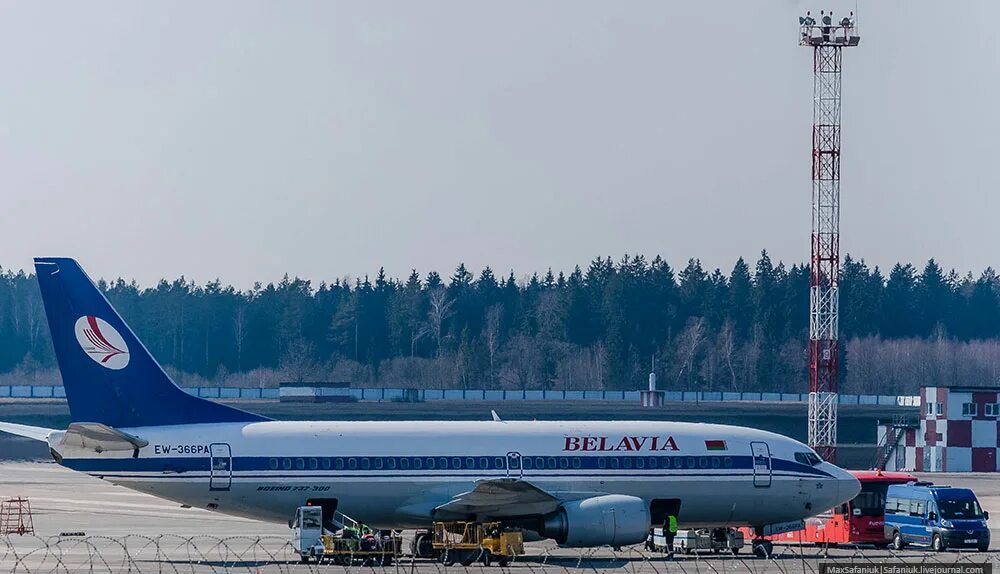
(34, 433)
(100, 438)
(499, 498)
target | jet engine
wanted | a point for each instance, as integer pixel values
(612, 519)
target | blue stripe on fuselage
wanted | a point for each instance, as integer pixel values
(376, 466)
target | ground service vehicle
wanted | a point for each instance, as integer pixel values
(350, 543)
(467, 542)
(858, 521)
(938, 516)
(716, 540)
(307, 530)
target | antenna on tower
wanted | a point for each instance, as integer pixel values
(827, 38)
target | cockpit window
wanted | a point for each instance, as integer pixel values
(809, 458)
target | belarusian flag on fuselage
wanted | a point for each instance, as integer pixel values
(715, 445)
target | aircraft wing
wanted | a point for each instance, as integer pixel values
(499, 498)
(34, 433)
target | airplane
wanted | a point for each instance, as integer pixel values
(581, 483)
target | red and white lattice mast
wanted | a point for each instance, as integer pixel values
(827, 38)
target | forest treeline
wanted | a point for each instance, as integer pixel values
(604, 326)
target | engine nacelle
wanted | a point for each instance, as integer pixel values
(612, 519)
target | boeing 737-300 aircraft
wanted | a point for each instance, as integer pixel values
(582, 483)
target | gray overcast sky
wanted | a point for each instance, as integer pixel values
(243, 140)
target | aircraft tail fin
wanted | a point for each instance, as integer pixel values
(109, 376)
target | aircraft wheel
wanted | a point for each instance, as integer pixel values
(304, 559)
(735, 551)
(762, 548)
(502, 562)
(487, 558)
(423, 547)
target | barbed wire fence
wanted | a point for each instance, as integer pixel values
(172, 554)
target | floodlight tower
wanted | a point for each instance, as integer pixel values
(827, 38)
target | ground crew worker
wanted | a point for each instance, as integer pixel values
(670, 531)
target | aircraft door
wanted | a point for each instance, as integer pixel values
(761, 464)
(514, 467)
(221, 465)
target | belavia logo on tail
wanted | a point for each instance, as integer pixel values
(101, 342)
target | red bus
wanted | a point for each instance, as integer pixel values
(859, 521)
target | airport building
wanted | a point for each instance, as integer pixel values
(958, 430)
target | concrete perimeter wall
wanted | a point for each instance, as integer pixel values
(233, 393)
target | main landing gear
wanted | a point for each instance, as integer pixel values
(762, 548)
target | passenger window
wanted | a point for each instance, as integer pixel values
(378, 463)
(916, 508)
(273, 463)
(313, 464)
(340, 464)
(890, 506)
(470, 463)
(352, 463)
(404, 463)
(300, 464)
(727, 462)
(702, 462)
(564, 463)
(456, 463)
(551, 463)
(443, 463)
(390, 463)
(626, 462)
(539, 463)
(484, 463)
(500, 461)
(418, 463)
(429, 464)
(614, 462)
(602, 462)
(640, 462)
(652, 462)
(691, 462)
(365, 463)
(528, 463)
(576, 462)
(716, 463)
(326, 464)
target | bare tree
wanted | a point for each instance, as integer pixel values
(688, 344)
(240, 334)
(439, 312)
(492, 334)
(726, 346)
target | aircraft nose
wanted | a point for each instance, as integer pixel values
(848, 485)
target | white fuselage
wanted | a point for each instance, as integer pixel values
(394, 474)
